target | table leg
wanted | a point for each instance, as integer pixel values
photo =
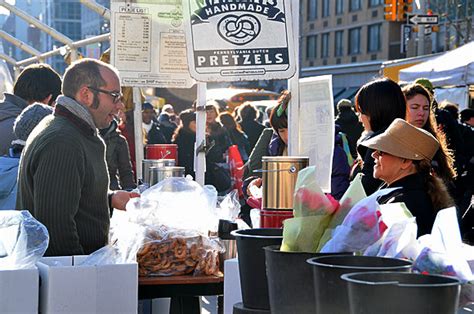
(185, 305)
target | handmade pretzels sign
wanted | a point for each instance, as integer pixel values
(234, 40)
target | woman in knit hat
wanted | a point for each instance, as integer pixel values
(402, 156)
(23, 126)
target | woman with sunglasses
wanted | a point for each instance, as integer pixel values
(402, 159)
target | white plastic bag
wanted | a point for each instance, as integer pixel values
(23, 240)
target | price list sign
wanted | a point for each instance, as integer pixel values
(149, 45)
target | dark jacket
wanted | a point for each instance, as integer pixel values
(167, 127)
(10, 108)
(366, 166)
(253, 130)
(156, 135)
(351, 126)
(241, 140)
(413, 193)
(185, 140)
(118, 158)
(340, 168)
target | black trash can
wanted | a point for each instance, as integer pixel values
(331, 291)
(290, 280)
(253, 279)
(395, 292)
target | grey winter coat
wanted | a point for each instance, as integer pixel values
(10, 108)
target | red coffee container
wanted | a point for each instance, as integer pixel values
(162, 151)
(274, 218)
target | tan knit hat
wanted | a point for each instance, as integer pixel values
(404, 140)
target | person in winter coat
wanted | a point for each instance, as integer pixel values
(340, 166)
(24, 124)
(378, 103)
(236, 135)
(117, 156)
(420, 113)
(349, 124)
(36, 83)
(167, 127)
(402, 155)
(185, 137)
(249, 123)
(151, 128)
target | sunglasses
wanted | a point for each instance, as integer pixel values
(116, 96)
(380, 153)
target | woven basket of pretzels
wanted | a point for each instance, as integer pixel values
(176, 252)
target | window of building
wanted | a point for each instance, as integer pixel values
(311, 47)
(312, 9)
(373, 35)
(338, 44)
(339, 7)
(355, 5)
(375, 3)
(354, 41)
(325, 45)
(325, 8)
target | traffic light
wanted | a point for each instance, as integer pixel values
(390, 10)
(403, 8)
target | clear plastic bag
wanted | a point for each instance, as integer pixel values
(360, 228)
(166, 230)
(23, 240)
(168, 252)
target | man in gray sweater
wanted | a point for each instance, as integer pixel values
(63, 178)
(36, 83)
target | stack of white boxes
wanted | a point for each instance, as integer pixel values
(69, 288)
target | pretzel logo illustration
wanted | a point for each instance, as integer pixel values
(239, 30)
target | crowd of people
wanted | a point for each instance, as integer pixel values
(68, 148)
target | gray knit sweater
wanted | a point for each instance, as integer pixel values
(63, 182)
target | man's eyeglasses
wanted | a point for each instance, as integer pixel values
(116, 96)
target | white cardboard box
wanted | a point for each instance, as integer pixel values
(19, 291)
(232, 292)
(66, 288)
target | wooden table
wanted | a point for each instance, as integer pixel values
(184, 291)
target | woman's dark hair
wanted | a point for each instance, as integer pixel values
(444, 157)
(247, 112)
(186, 117)
(435, 187)
(228, 121)
(279, 117)
(382, 101)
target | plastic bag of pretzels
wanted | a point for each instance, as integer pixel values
(172, 252)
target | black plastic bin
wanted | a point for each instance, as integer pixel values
(290, 280)
(331, 291)
(253, 279)
(395, 292)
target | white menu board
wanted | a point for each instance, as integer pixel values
(316, 126)
(239, 40)
(148, 44)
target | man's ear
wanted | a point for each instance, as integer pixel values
(85, 96)
(47, 100)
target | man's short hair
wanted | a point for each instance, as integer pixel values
(36, 82)
(84, 72)
(466, 114)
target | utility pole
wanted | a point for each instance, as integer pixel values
(421, 32)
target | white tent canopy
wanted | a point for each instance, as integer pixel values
(453, 68)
